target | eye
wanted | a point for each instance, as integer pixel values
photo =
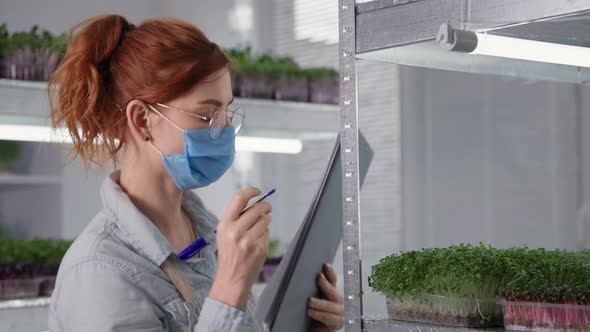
(203, 112)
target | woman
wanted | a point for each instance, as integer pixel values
(158, 97)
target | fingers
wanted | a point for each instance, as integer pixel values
(261, 244)
(265, 238)
(326, 306)
(329, 312)
(330, 274)
(255, 240)
(239, 201)
(329, 290)
(250, 218)
(332, 321)
(260, 227)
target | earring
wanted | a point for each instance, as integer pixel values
(147, 138)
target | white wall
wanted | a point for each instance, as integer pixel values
(490, 159)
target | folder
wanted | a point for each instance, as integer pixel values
(282, 306)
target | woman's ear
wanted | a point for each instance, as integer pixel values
(138, 119)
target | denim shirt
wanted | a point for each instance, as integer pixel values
(110, 279)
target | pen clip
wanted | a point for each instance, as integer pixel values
(193, 249)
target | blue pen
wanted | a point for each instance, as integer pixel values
(204, 241)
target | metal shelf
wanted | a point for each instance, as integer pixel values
(26, 103)
(384, 24)
(21, 179)
(36, 85)
(387, 324)
(35, 302)
(429, 54)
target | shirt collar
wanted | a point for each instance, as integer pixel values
(139, 231)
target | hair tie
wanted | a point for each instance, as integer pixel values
(104, 66)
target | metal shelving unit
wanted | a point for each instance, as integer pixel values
(403, 32)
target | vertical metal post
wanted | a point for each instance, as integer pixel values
(350, 167)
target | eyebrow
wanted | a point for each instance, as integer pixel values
(215, 102)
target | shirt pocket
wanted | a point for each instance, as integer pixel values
(177, 315)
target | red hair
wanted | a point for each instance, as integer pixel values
(109, 62)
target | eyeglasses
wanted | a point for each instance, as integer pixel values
(219, 120)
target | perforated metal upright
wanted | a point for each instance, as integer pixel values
(350, 166)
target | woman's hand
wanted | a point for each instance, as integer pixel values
(242, 245)
(328, 313)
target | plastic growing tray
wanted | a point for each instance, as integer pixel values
(46, 286)
(18, 288)
(441, 310)
(545, 317)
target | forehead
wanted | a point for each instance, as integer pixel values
(216, 86)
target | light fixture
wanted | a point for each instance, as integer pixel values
(515, 48)
(30, 133)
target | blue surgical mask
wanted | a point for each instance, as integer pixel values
(204, 160)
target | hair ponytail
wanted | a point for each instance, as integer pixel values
(80, 89)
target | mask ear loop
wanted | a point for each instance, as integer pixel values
(147, 139)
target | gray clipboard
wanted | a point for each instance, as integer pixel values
(283, 303)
